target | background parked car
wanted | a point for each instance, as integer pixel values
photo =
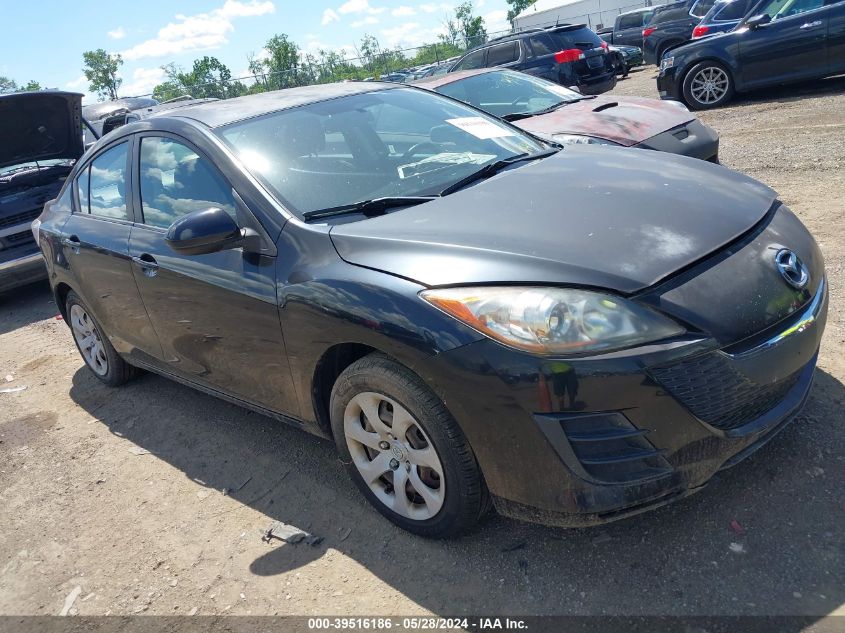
(627, 29)
(672, 25)
(41, 136)
(570, 55)
(564, 116)
(627, 57)
(784, 41)
(724, 16)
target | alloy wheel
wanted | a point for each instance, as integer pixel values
(394, 456)
(89, 340)
(709, 85)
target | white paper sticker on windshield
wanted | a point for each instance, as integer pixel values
(480, 128)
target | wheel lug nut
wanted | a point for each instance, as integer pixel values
(383, 445)
(394, 464)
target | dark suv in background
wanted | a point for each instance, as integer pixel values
(570, 55)
(724, 16)
(672, 25)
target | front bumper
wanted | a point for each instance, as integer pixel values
(668, 86)
(693, 139)
(585, 441)
(24, 268)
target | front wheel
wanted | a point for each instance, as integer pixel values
(404, 450)
(708, 85)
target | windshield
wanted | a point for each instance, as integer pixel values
(504, 93)
(400, 142)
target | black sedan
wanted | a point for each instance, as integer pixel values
(474, 317)
(783, 41)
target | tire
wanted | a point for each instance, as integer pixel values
(707, 85)
(100, 356)
(454, 495)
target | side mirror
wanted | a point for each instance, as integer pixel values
(205, 231)
(757, 21)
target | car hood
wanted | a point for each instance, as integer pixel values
(623, 120)
(615, 218)
(40, 126)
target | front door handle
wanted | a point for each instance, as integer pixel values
(147, 264)
(72, 243)
(811, 25)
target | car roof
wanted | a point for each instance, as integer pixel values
(431, 83)
(640, 10)
(219, 113)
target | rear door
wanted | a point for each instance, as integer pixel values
(216, 315)
(793, 46)
(95, 245)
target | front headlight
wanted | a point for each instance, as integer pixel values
(553, 320)
(667, 62)
(577, 139)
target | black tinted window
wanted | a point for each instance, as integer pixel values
(631, 21)
(669, 15)
(473, 60)
(579, 38)
(701, 8)
(107, 184)
(542, 45)
(503, 53)
(176, 181)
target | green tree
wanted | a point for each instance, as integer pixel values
(209, 78)
(517, 7)
(7, 84)
(282, 62)
(101, 71)
(471, 25)
(32, 86)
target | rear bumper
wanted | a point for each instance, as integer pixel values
(598, 85)
(693, 139)
(586, 441)
(24, 269)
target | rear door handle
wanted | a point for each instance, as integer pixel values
(811, 25)
(146, 263)
(72, 243)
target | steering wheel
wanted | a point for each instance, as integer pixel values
(415, 149)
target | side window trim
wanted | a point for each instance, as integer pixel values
(86, 169)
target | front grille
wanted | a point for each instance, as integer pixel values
(18, 238)
(20, 218)
(717, 393)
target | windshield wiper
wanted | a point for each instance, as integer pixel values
(493, 168)
(516, 116)
(376, 206)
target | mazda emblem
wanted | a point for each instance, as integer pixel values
(791, 268)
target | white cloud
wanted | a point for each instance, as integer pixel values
(329, 16)
(367, 20)
(403, 12)
(496, 21)
(359, 6)
(409, 34)
(202, 31)
(76, 84)
(434, 8)
(143, 82)
(117, 34)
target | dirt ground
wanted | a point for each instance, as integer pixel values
(156, 534)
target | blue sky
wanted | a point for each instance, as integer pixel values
(45, 41)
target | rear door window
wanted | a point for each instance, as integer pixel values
(584, 39)
(731, 11)
(503, 53)
(542, 45)
(472, 60)
(700, 8)
(102, 186)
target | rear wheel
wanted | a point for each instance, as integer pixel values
(708, 85)
(94, 347)
(404, 450)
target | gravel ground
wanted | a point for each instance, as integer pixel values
(155, 533)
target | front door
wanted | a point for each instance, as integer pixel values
(793, 46)
(95, 245)
(836, 37)
(216, 315)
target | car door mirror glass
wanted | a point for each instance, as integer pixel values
(204, 231)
